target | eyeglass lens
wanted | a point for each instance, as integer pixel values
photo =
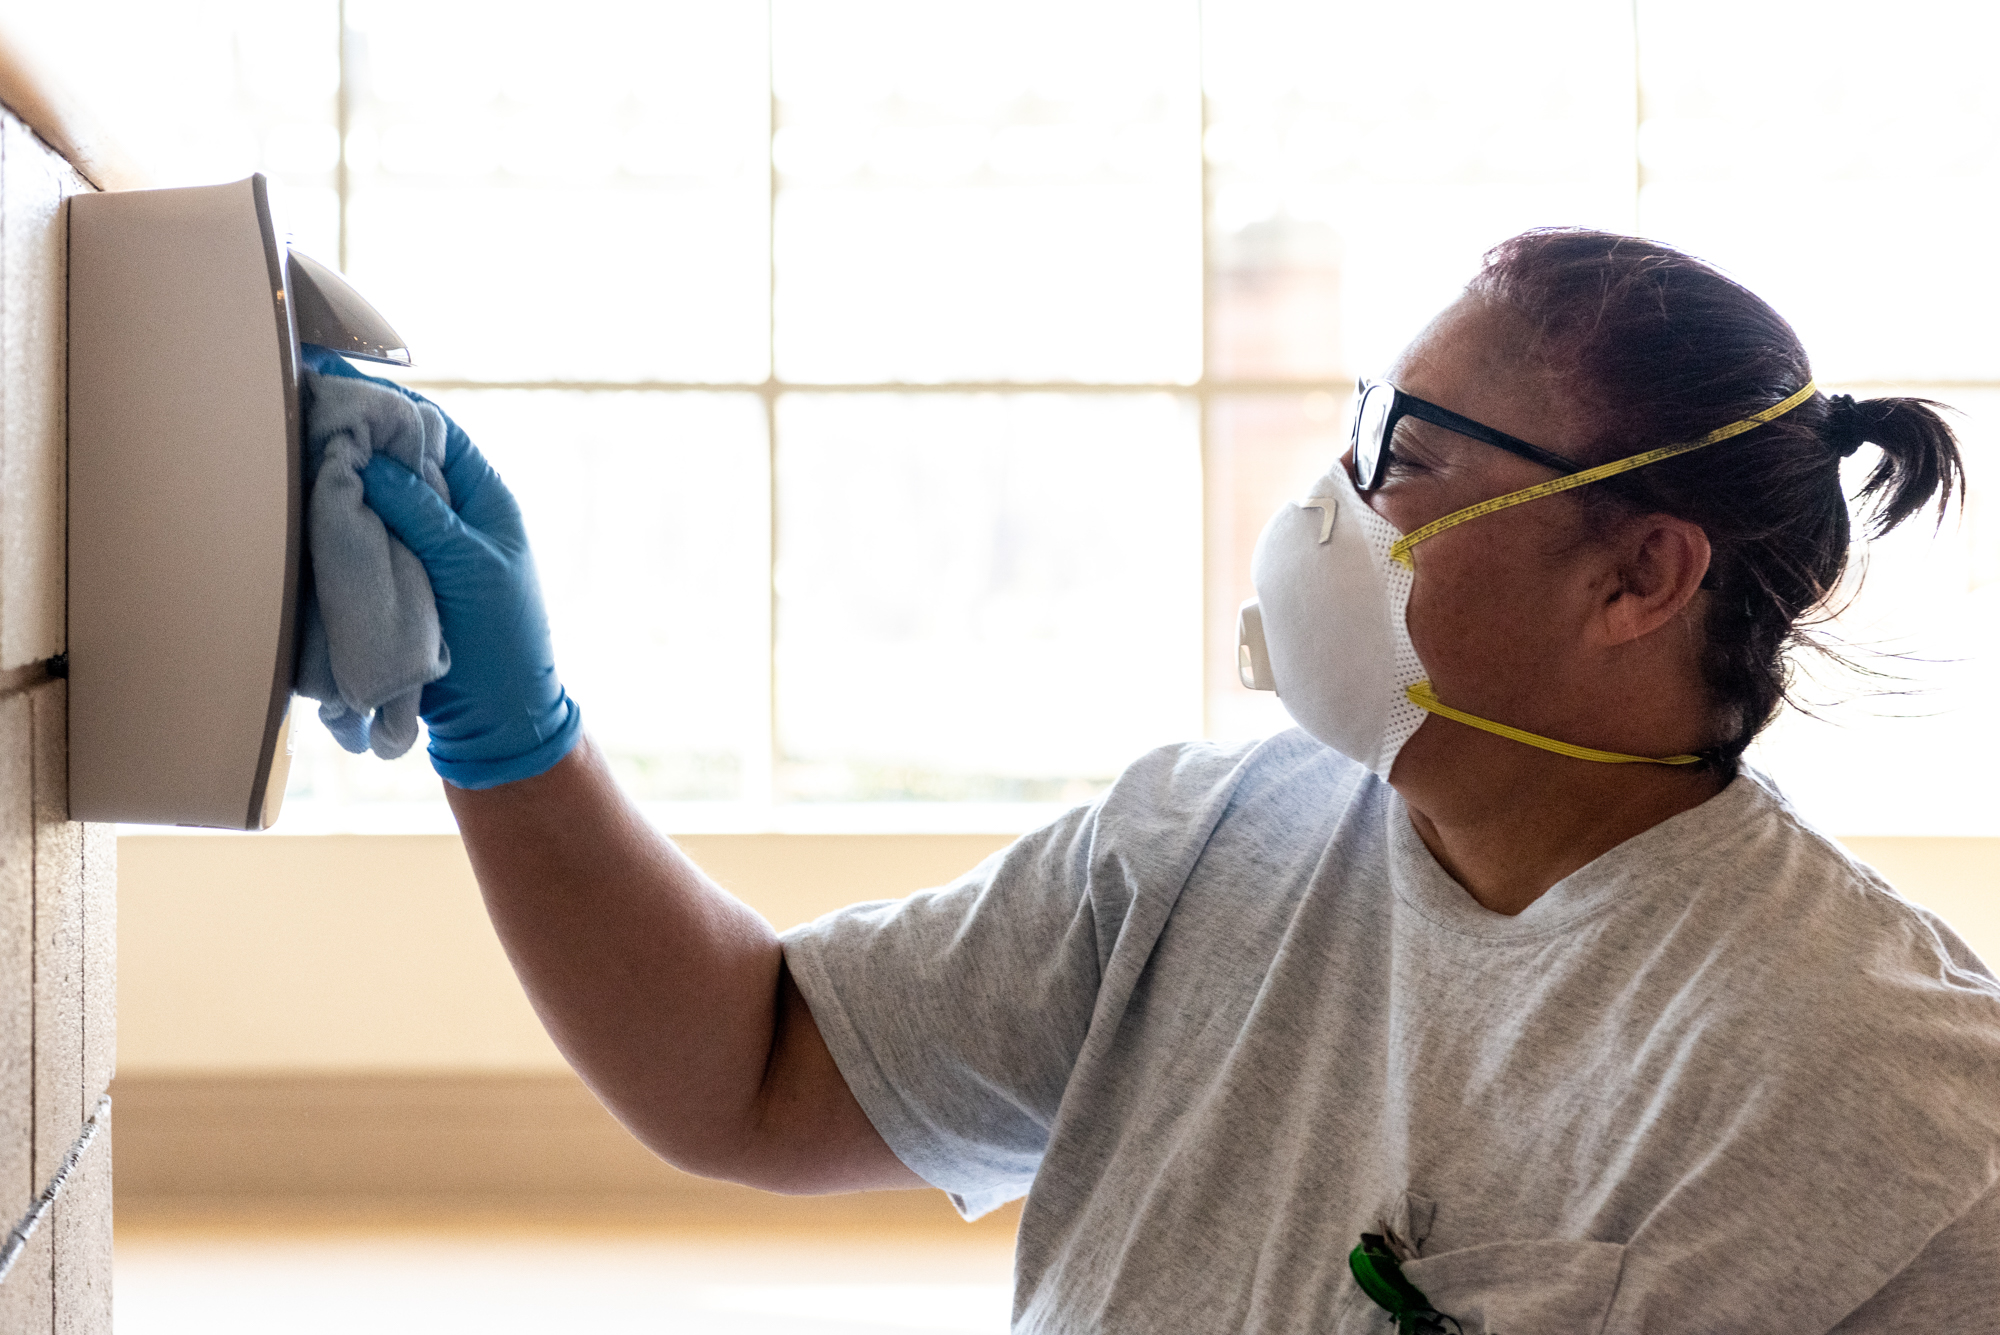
(1371, 416)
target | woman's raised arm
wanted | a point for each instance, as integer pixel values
(669, 996)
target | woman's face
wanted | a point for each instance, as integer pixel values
(1500, 605)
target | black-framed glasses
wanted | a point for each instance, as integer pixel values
(1379, 405)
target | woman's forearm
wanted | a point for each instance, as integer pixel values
(667, 994)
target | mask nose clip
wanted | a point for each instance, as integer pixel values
(1253, 660)
(1329, 510)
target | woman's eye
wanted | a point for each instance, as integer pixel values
(1403, 456)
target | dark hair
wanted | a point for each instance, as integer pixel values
(1658, 347)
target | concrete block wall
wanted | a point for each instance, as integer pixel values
(57, 877)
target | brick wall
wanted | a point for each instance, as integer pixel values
(57, 877)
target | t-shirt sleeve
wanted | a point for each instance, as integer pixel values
(956, 1015)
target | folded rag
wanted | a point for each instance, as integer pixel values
(370, 639)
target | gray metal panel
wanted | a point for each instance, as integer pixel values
(183, 506)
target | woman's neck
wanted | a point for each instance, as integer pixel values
(1508, 821)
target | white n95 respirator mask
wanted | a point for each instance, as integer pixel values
(1327, 629)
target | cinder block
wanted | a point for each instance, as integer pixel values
(51, 951)
(82, 1241)
(17, 959)
(59, 1094)
(100, 960)
(27, 1299)
(33, 181)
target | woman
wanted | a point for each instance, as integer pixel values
(1539, 992)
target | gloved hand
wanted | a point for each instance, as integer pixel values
(500, 713)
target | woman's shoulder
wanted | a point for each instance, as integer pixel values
(1192, 786)
(1170, 806)
(1823, 945)
(1841, 903)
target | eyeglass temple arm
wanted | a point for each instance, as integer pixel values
(1465, 426)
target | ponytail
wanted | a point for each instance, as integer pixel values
(1920, 456)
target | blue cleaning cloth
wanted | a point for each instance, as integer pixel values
(370, 640)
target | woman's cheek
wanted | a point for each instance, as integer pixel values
(1448, 627)
(1472, 626)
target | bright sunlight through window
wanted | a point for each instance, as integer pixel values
(896, 390)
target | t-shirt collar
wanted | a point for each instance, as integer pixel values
(1668, 854)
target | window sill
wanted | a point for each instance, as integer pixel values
(675, 818)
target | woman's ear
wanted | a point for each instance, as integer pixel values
(1662, 562)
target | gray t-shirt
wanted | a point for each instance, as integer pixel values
(1233, 1015)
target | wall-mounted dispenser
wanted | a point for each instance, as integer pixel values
(186, 312)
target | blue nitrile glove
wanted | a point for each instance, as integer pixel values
(500, 713)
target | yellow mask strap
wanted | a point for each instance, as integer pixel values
(1400, 551)
(1422, 696)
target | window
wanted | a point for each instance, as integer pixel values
(896, 390)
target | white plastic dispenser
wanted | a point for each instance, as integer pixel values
(186, 313)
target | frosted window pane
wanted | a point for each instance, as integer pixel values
(1851, 183)
(581, 193)
(1263, 451)
(989, 597)
(647, 516)
(1362, 157)
(1917, 762)
(646, 513)
(964, 197)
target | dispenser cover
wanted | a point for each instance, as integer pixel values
(184, 507)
